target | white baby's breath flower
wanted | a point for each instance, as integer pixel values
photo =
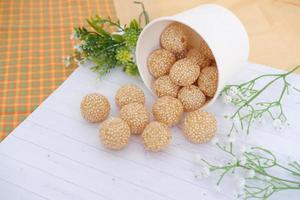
(78, 48)
(214, 141)
(277, 123)
(241, 182)
(226, 115)
(250, 173)
(233, 91)
(67, 61)
(216, 188)
(231, 139)
(73, 36)
(243, 160)
(198, 159)
(227, 99)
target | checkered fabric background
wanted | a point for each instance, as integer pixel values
(35, 35)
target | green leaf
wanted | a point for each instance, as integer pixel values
(117, 38)
(134, 24)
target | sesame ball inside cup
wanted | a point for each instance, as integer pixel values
(167, 110)
(174, 38)
(136, 116)
(94, 107)
(163, 86)
(199, 126)
(156, 136)
(191, 98)
(208, 81)
(129, 93)
(114, 133)
(160, 61)
(196, 56)
(184, 72)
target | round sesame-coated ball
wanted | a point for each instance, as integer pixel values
(167, 110)
(115, 133)
(163, 86)
(129, 93)
(94, 107)
(160, 61)
(205, 50)
(184, 72)
(199, 126)
(136, 116)
(174, 38)
(191, 98)
(208, 81)
(196, 56)
(156, 136)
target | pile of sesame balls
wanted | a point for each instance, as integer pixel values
(186, 78)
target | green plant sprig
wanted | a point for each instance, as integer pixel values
(107, 49)
(244, 96)
(261, 182)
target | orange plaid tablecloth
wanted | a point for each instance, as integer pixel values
(35, 35)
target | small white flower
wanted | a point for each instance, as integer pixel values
(277, 123)
(231, 139)
(250, 173)
(227, 99)
(216, 188)
(67, 61)
(233, 91)
(214, 141)
(243, 160)
(226, 115)
(78, 48)
(205, 171)
(241, 182)
(198, 159)
(73, 36)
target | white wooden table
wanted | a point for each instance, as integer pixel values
(55, 154)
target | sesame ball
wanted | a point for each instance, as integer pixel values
(196, 56)
(208, 81)
(199, 126)
(160, 61)
(136, 116)
(184, 72)
(191, 98)
(167, 110)
(205, 50)
(94, 107)
(156, 136)
(174, 38)
(115, 133)
(163, 86)
(129, 93)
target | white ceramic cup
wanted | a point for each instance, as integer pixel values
(220, 28)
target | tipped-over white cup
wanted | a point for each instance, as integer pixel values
(220, 28)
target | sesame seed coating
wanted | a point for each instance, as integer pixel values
(129, 93)
(196, 56)
(136, 116)
(205, 50)
(174, 38)
(94, 107)
(163, 86)
(208, 81)
(199, 126)
(156, 136)
(160, 61)
(184, 72)
(191, 98)
(167, 110)
(114, 133)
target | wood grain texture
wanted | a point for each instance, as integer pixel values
(273, 26)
